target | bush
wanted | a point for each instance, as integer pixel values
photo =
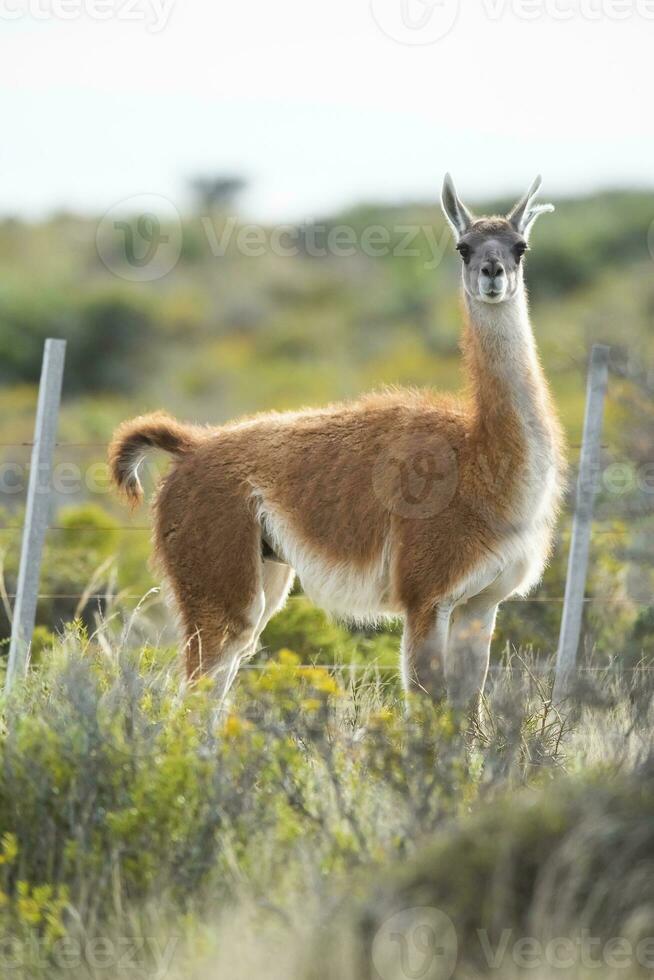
(128, 798)
(562, 864)
(109, 337)
(84, 555)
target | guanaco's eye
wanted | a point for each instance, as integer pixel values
(520, 250)
(464, 251)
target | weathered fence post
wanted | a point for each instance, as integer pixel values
(575, 586)
(37, 513)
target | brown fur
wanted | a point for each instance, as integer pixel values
(133, 438)
(317, 468)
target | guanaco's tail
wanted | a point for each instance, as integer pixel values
(134, 438)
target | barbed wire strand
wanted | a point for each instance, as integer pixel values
(492, 667)
(147, 527)
(513, 599)
(83, 527)
(105, 445)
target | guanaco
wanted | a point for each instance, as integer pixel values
(401, 503)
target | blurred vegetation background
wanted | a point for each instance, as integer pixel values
(253, 317)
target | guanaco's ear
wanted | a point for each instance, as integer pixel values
(525, 212)
(454, 209)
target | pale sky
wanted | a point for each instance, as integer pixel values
(321, 104)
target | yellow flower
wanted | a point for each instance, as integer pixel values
(288, 658)
(9, 849)
(311, 704)
(29, 910)
(235, 726)
(322, 680)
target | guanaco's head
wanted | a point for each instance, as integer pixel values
(491, 249)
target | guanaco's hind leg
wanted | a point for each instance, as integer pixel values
(277, 583)
(215, 570)
(218, 648)
(217, 640)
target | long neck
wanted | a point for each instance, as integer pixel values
(506, 379)
(516, 444)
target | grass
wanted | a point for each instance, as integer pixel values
(145, 833)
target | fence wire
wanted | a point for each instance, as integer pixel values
(143, 528)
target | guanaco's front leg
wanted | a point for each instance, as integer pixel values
(424, 650)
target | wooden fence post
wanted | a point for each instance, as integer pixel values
(37, 513)
(589, 463)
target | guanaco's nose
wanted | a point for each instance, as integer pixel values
(492, 268)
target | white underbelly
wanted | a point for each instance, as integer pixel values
(364, 594)
(357, 593)
(516, 567)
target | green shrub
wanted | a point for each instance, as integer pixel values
(557, 866)
(127, 797)
(109, 336)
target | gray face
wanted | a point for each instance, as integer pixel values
(491, 249)
(491, 252)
